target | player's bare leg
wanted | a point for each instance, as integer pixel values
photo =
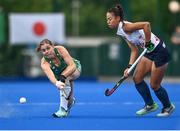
(143, 68)
(67, 99)
(65, 95)
(155, 82)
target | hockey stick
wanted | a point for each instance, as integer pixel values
(64, 94)
(109, 92)
(67, 97)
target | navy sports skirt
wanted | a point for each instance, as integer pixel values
(160, 55)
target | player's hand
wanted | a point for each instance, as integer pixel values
(60, 85)
(150, 46)
(126, 72)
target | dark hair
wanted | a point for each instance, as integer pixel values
(44, 41)
(117, 10)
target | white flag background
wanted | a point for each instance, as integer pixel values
(32, 28)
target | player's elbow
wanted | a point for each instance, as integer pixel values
(135, 52)
(134, 49)
(147, 25)
(72, 66)
(43, 67)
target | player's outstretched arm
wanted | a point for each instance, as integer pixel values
(71, 67)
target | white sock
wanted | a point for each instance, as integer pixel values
(63, 95)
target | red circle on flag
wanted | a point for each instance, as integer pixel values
(39, 28)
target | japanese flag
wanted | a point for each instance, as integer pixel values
(32, 28)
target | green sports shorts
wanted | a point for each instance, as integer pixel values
(78, 65)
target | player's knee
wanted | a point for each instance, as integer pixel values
(154, 85)
(137, 79)
(74, 76)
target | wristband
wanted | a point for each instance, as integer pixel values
(129, 65)
(62, 78)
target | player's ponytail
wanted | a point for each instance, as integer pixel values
(120, 10)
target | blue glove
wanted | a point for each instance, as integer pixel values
(150, 46)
